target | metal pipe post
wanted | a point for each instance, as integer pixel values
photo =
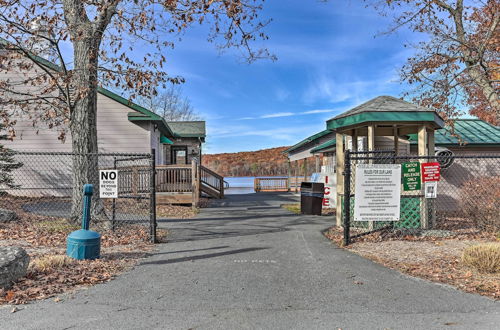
(347, 197)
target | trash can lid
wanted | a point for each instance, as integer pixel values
(83, 234)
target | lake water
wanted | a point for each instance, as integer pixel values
(242, 185)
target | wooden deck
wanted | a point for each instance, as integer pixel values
(175, 184)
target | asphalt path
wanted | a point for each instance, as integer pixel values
(246, 263)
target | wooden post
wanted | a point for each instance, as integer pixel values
(305, 169)
(354, 140)
(423, 151)
(296, 176)
(195, 181)
(396, 140)
(339, 168)
(318, 166)
(289, 171)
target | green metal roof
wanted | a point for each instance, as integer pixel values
(384, 109)
(469, 131)
(165, 140)
(307, 140)
(188, 128)
(325, 145)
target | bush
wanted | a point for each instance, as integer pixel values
(484, 257)
(480, 202)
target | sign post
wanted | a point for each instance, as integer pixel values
(378, 192)
(108, 183)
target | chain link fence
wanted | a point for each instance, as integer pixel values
(466, 195)
(43, 184)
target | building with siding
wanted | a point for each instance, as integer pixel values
(122, 126)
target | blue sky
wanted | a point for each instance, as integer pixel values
(331, 57)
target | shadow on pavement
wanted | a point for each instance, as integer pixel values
(203, 256)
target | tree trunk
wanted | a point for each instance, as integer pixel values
(84, 129)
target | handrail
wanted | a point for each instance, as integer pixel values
(213, 180)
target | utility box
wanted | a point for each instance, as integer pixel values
(311, 197)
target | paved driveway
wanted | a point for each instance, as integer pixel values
(249, 264)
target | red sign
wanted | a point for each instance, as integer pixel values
(431, 172)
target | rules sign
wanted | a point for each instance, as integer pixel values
(108, 183)
(411, 176)
(431, 172)
(378, 192)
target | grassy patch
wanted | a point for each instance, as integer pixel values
(294, 208)
(483, 257)
(50, 263)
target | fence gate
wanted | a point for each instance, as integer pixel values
(42, 185)
(466, 192)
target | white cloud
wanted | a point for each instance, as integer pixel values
(278, 114)
(310, 112)
(289, 114)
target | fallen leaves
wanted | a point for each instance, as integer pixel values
(50, 272)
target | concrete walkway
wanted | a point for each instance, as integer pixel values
(248, 264)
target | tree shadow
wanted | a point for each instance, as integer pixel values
(201, 257)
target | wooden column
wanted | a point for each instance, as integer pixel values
(195, 181)
(289, 171)
(396, 140)
(305, 169)
(318, 165)
(354, 140)
(296, 176)
(371, 138)
(339, 169)
(423, 151)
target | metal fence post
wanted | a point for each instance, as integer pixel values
(152, 203)
(113, 206)
(347, 197)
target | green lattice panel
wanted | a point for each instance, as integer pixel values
(409, 216)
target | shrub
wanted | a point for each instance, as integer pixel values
(484, 257)
(480, 202)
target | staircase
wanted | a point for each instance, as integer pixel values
(211, 183)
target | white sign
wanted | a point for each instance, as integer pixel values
(378, 192)
(108, 184)
(330, 194)
(431, 189)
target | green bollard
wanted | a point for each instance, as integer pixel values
(84, 243)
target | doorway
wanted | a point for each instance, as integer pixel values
(179, 155)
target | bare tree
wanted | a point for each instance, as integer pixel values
(171, 105)
(458, 66)
(116, 43)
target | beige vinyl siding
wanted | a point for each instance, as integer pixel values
(115, 132)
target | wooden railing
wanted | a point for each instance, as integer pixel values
(271, 184)
(174, 178)
(212, 180)
(278, 184)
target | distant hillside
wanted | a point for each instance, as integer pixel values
(264, 162)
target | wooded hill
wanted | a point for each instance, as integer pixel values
(264, 162)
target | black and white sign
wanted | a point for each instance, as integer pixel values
(108, 184)
(378, 192)
(431, 189)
